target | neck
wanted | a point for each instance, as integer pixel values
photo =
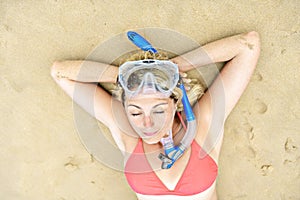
(176, 127)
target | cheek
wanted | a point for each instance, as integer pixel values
(136, 121)
(159, 118)
(164, 121)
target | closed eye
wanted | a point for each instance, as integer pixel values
(135, 114)
(159, 112)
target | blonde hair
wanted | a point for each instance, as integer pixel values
(195, 91)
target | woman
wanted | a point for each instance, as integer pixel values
(151, 117)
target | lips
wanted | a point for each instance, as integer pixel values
(150, 133)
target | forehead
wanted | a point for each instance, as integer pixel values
(146, 100)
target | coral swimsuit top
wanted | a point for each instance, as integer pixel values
(198, 176)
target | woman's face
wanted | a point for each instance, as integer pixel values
(150, 116)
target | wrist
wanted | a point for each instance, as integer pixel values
(182, 63)
(110, 75)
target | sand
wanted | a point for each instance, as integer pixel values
(42, 156)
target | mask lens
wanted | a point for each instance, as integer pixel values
(148, 75)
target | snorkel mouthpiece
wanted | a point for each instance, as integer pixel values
(169, 148)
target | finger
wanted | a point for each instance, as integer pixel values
(183, 74)
(187, 88)
(186, 80)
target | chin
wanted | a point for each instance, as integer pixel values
(152, 140)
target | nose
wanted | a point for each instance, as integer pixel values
(148, 122)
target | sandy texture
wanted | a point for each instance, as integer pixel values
(41, 154)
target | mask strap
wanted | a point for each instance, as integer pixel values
(181, 120)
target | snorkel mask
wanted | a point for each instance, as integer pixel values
(158, 76)
(148, 77)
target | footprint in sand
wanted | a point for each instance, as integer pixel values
(289, 145)
(71, 165)
(257, 77)
(266, 169)
(245, 129)
(244, 134)
(292, 157)
(259, 106)
(74, 162)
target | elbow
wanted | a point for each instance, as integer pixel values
(254, 37)
(54, 70)
(253, 40)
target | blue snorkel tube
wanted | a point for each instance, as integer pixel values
(172, 152)
(140, 42)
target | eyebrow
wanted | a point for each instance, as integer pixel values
(153, 106)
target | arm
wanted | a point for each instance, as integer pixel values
(85, 71)
(93, 99)
(241, 53)
(77, 79)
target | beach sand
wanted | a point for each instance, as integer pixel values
(42, 156)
